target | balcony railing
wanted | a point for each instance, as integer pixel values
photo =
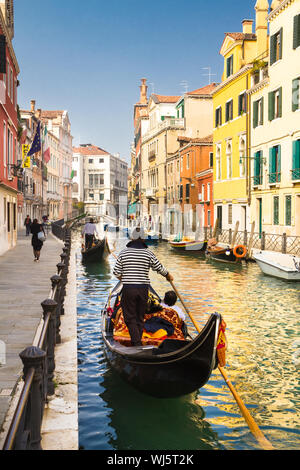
(257, 180)
(173, 123)
(295, 174)
(274, 178)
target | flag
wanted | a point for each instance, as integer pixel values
(72, 174)
(36, 144)
(46, 146)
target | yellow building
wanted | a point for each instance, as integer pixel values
(232, 121)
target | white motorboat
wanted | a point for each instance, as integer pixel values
(279, 265)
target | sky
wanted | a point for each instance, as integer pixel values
(88, 56)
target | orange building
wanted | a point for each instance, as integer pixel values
(196, 179)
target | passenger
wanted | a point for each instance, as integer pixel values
(170, 300)
(132, 269)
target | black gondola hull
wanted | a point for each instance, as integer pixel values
(163, 373)
(97, 253)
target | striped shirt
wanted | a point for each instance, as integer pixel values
(134, 263)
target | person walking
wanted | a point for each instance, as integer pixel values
(27, 224)
(132, 269)
(89, 232)
(36, 242)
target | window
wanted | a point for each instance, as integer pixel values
(91, 160)
(218, 163)
(258, 112)
(211, 159)
(276, 47)
(275, 104)
(296, 32)
(229, 111)
(229, 160)
(288, 210)
(4, 148)
(219, 116)
(276, 210)
(181, 192)
(208, 218)
(101, 160)
(275, 164)
(101, 196)
(187, 191)
(208, 191)
(229, 66)
(91, 195)
(242, 103)
(258, 168)
(229, 214)
(296, 160)
(187, 161)
(295, 94)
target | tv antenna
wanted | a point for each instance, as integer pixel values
(209, 74)
(185, 85)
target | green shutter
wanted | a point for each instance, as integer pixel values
(255, 114)
(281, 40)
(295, 94)
(280, 103)
(296, 160)
(276, 210)
(271, 105)
(288, 210)
(279, 164)
(296, 32)
(272, 49)
(262, 111)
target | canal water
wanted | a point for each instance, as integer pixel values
(262, 317)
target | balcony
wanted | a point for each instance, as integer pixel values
(151, 155)
(257, 180)
(150, 193)
(168, 123)
(295, 172)
(274, 178)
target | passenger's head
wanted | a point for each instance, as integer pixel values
(91, 220)
(137, 234)
(35, 221)
(170, 298)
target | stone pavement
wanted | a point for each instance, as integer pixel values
(24, 284)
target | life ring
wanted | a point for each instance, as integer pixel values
(237, 253)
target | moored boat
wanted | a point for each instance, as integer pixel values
(171, 368)
(188, 244)
(98, 251)
(226, 254)
(283, 266)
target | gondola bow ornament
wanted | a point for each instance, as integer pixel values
(222, 344)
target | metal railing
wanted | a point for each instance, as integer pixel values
(39, 364)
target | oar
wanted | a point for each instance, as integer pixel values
(257, 433)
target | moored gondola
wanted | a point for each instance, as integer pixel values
(170, 369)
(228, 254)
(97, 252)
(190, 245)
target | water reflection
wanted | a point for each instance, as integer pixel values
(262, 329)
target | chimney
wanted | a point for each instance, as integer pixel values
(261, 29)
(247, 26)
(32, 106)
(39, 113)
(143, 93)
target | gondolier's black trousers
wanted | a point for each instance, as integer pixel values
(134, 305)
(88, 240)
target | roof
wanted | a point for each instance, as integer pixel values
(206, 90)
(164, 99)
(197, 140)
(90, 150)
(242, 36)
(52, 114)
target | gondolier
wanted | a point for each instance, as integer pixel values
(132, 268)
(89, 231)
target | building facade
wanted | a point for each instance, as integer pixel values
(9, 148)
(275, 127)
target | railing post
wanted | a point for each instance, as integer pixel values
(263, 240)
(245, 237)
(49, 307)
(56, 282)
(34, 357)
(230, 236)
(283, 247)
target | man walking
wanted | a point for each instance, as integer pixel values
(132, 268)
(89, 230)
(27, 224)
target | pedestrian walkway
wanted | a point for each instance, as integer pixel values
(24, 284)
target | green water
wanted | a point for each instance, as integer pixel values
(262, 317)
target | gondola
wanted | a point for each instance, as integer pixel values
(97, 252)
(171, 369)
